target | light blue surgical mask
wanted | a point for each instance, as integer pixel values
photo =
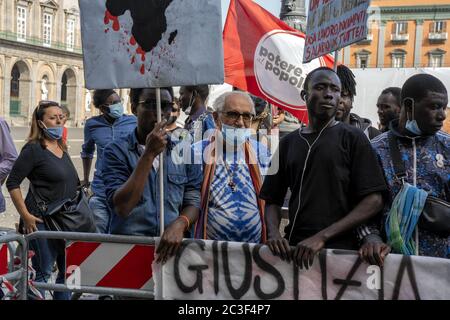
(54, 133)
(411, 125)
(235, 136)
(116, 110)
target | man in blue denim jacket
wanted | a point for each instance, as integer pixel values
(132, 179)
(100, 130)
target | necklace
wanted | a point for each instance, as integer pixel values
(230, 177)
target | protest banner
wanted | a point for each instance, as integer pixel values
(141, 44)
(263, 55)
(334, 24)
(205, 269)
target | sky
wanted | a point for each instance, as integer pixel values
(273, 6)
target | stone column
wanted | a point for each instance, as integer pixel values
(78, 105)
(380, 51)
(58, 83)
(347, 55)
(7, 87)
(10, 9)
(418, 43)
(36, 20)
(33, 99)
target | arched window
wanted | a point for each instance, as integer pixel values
(64, 88)
(15, 76)
(14, 107)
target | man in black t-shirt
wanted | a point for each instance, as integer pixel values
(334, 176)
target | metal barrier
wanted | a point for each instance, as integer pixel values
(93, 237)
(21, 274)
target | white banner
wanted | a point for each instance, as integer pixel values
(370, 82)
(334, 24)
(141, 43)
(226, 270)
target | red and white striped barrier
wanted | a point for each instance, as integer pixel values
(3, 259)
(112, 265)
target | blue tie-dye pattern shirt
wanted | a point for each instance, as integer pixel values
(234, 215)
(432, 175)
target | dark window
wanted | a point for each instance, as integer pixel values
(64, 88)
(15, 76)
(363, 61)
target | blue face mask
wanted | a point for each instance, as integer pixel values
(235, 136)
(411, 125)
(54, 133)
(116, 110)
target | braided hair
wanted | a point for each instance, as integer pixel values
(347, 79)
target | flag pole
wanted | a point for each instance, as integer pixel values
(336, 55)
(161, 167)
(161, 182)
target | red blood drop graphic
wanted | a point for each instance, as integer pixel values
(109, 17)
(143, 69)
(116, 25)
(133, 41)
(141, 52)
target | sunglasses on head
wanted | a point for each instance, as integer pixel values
(47, 103)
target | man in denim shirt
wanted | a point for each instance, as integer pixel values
(132, 179)
(110, 125)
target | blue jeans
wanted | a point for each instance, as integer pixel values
(45, 256)
(102, 214)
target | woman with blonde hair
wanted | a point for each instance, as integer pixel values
(45, 162)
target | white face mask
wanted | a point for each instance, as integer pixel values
(191, 103)
(235, 136)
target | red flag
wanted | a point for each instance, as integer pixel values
(263, 56)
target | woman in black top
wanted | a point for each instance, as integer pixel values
(46, 164)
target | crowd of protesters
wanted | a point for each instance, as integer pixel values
(345, 191)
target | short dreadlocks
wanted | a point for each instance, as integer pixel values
(347, 79)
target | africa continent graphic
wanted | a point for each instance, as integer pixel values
(149, 20)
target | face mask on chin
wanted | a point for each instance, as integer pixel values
(191, 103)
(411, 125)
(54, 133)
(235, 136)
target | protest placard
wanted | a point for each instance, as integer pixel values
(334, 24)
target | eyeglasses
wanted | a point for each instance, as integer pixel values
(234, 116)
(151, 104)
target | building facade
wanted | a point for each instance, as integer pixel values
(403, 34)
(41, 58)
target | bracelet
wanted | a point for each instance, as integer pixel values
(187, 220)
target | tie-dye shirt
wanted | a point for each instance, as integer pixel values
(233, 216)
